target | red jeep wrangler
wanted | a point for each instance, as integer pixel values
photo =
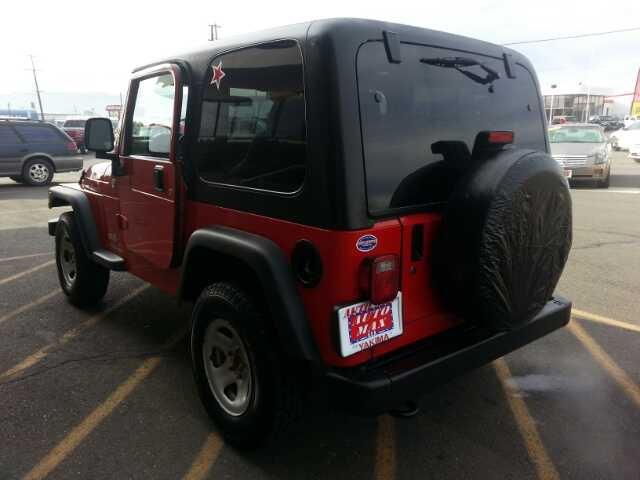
(362, 206)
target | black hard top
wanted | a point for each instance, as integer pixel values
(354, 29)
(334, 190)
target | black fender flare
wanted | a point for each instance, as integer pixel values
(274, 275)
(60, 196)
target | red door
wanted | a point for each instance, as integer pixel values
(149, 185)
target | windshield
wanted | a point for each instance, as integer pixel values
(575, 135)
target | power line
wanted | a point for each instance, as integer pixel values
(583, 35)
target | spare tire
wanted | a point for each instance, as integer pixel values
(504, 239)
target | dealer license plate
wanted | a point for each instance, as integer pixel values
(568, 173)
(364, 325)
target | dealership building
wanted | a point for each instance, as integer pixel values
(582, 102)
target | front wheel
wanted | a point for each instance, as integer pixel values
(83, 281)
(248, 389)
(604, 183)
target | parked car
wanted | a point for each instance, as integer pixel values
(74, 127)
(629, 119)
(583, 151)
(634, 152)
(561, 119)
(31, 152)
(608, 122)
(344, 226)
(623, 138)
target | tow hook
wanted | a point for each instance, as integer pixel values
(408, 410)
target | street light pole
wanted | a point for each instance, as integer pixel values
(553, 86)
(588, 99)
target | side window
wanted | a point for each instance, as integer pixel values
(39, 134)
(150, 133)
(252, 127)
(8, 136)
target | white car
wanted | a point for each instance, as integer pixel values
(634, 152)
(625, 137)
(629, 119)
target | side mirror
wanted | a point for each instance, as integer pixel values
(98, 135)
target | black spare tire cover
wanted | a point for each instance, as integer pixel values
(504, 239)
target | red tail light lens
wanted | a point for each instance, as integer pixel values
(72, 147)
(500, 138)
(380, 278)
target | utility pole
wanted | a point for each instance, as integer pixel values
(213, 31)
(35, 79)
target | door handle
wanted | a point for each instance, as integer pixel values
(158, 178)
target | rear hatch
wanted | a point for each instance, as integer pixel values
(433, 100)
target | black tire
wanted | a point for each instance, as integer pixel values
(606, 181)
(37, 172)
(504, 239)
(274, 400)
(84, 282)
(17, 179)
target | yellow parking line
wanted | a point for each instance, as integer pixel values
(526, 424)
(69, 335)
(205, 459)
(385, 467)
(607, 363)
(28, 306)
(22, 257)
(26, 272)
(582, 315)
(75, 437)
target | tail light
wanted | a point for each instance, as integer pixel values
(380, 278)
(72, 147)
(497, 137)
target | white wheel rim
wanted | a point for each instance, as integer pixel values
(227, 367)
(67, 256)
(39, 172)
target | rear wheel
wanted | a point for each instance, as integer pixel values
(248, 389)
(37, 172)
(84, 282)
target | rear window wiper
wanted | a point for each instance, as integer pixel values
(460, 63)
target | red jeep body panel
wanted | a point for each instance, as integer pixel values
(423, 315)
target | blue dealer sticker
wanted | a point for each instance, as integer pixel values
(366, 243)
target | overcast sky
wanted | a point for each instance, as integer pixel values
(89, 46)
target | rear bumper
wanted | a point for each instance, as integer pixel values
(406, 375)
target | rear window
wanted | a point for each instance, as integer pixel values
(39, 134)
(74, 123)
(407, 107)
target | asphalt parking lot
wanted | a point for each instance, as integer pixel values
(108, 392)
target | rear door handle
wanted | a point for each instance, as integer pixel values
(158, 178)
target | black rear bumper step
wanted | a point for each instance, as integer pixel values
(405, 377)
